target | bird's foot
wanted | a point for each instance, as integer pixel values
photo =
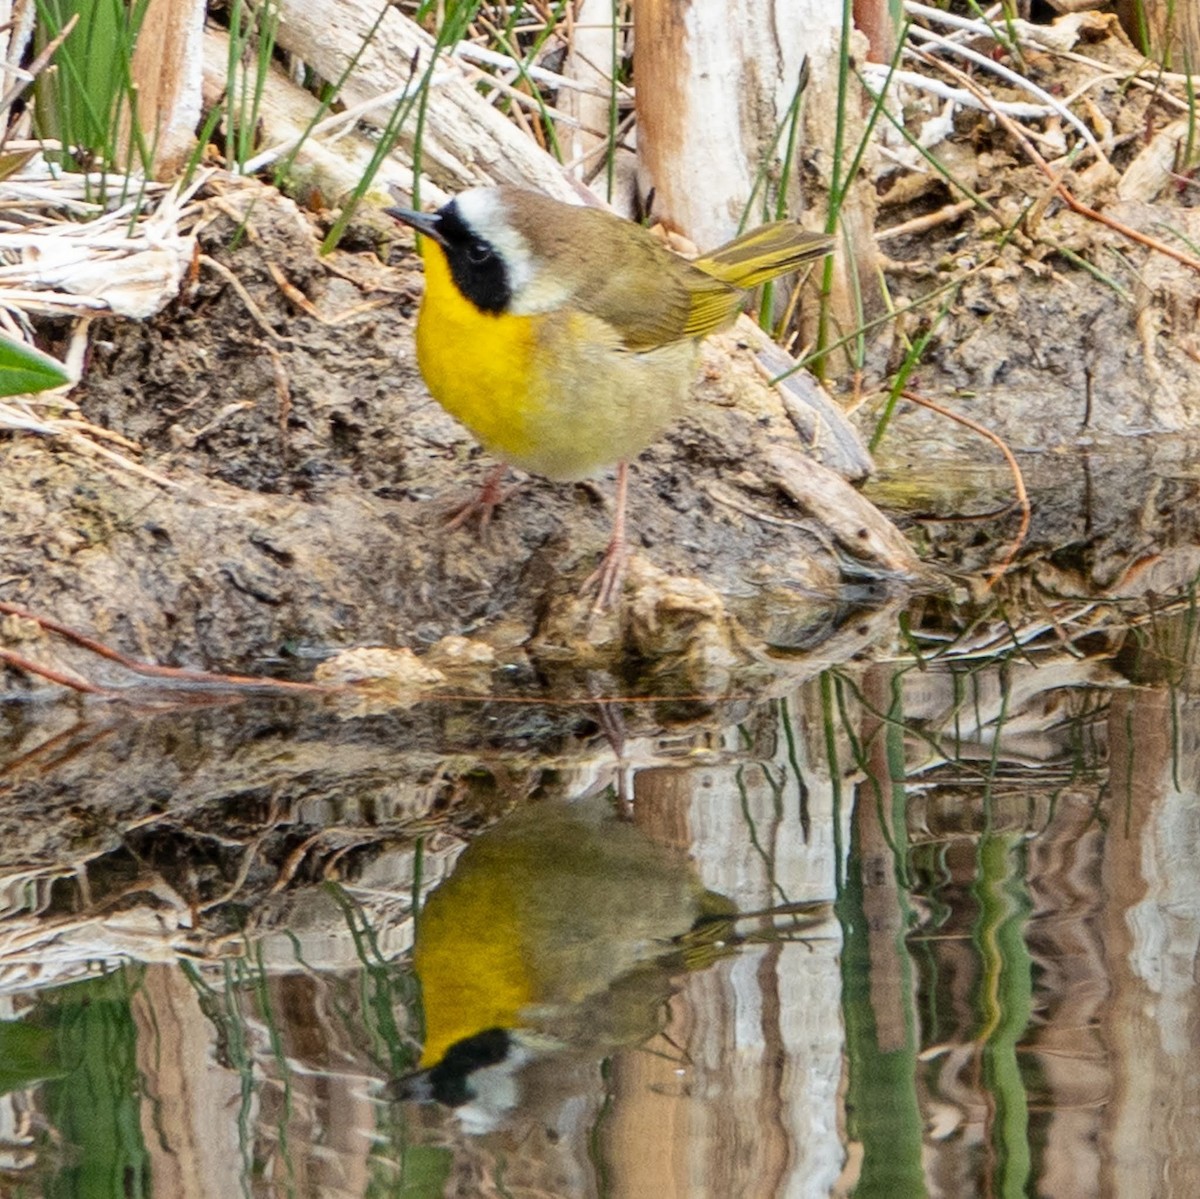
(608, 577)
(478, 510)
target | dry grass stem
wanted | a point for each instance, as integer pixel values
(922, 224)
(155, 671)
(1008, 75)
(61, 677)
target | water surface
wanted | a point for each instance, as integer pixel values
(922, 923)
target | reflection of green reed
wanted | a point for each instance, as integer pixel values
(254, 977)
(882, 1111)
(385, 988)
(1005, 1000)
(776, 789)
(27, 1055)
(829, 727)
(931, 877)
(1006, 985)
(882, 1101)
(597, 1158)
(891, 810)
(882, 1108)
(95, 1105)
(222, 1008)
(789, 733)
(1163, 652)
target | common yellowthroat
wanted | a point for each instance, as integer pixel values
(566, 338)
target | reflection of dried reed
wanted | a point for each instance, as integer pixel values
(59, 924)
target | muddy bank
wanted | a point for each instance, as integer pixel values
(1049, 355)
(310, 473)
(1059, 300)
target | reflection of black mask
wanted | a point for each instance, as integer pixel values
(449, 1082)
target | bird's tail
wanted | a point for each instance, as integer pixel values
(764, 253)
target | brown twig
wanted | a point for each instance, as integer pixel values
(1064, 193)
(931, 220)
(994, 574)
(29, 666)
(293, 294)
(46, 757)
(148, 669)
(247, 299)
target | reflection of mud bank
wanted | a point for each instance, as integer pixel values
(1112, 517)
(146, 836)
(262, 1053)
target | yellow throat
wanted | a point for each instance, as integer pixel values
(476, 364)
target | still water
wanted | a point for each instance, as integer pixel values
(924, 922)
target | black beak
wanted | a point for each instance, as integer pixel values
(416, 1086)
(422, 222)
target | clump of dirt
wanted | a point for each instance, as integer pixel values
(310, 473)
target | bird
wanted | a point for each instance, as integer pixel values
(566, 338)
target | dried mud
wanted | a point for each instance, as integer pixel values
(1063, 327)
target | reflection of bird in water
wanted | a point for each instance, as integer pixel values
(555, 939)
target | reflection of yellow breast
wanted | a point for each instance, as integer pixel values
(472, 961)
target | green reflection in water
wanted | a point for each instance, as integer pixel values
(881, 1100)
(95, 1104)
(27, 1055)
(1005, 993)
(1005, 1002)
(363, 1005)
(932, 879)
(882, 1108)
(426, 1172)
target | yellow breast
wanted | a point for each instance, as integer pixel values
(476, 364)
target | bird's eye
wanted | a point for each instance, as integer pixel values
(478, 253)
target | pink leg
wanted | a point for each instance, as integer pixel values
(610, 574)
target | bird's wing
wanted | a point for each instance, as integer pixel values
(652, 302)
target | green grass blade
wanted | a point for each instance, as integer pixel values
(24, 369)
